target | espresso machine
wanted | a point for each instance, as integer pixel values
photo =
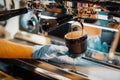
(39, 20)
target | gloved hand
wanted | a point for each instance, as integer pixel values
(48, 51)
(54, 53)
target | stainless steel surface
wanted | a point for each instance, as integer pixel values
(93, 70)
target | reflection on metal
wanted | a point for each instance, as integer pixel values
(51, 74)
(33, 38)
(96, 26)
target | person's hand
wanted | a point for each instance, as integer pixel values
(57, 54)
(54, 53)
(48, 51)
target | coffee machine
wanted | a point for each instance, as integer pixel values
(31, 24)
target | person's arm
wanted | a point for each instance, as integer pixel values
(51, 52)
(10, 49)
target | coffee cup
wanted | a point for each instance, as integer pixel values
(76, 41)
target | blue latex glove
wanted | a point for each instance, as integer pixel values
(48, 51)
(54, 53)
